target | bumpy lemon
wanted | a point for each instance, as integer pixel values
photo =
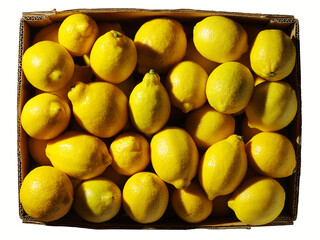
(113, 57)
(45, 116)
(149, 104)
(130, 153)
(273, 55)
(271, 154)
(161, 43)
(46, 194)
(191, 204)
(97, 200)
(37, 150)
(223, 167)
(49, 33)
(247, 132)
(79, 155)
(258, 201)
(186, 85)
(230, 87)
(77, 33)
(220, 39)
(101, 108)
(47, 65)
(208, 126)
(145, 197)
(174, 156)
(272, 107)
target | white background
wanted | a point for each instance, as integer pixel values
(308, 212)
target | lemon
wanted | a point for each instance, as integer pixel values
(247, 132)
(271, 154)
(79, 155)
(258, 201)
(208, 126)
(191, 204)
(49, 33)
(149, 104)
(145, 197)
(46, 194)
(130, 153)
(220, 39)
(223, 167)
(230, 87)
(186, 85)
(47, 66)
(101, 108)
(37, 150)
(273, 55)
(113, 57)
(77, 33)
(45, 116)
(220, 206)
(97, 200)
(272, 107)
(174, 156)
(160, 43)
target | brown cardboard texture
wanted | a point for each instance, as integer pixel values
(130, 20)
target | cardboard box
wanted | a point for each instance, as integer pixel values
(130, 20)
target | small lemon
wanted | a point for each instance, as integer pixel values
(271, 154)
(46, 194)
(49, 33)
(230, 87)
(97, 200)
(208, 126)
(47, 66)
(191, 204)
(113, 57)
(272, 107)
(149, 104)
(77, 33)
(79, 155)
(258, 200)
(37, 150)
(220, 39)
(174, 156)
(223, 167)
(186, 85)
(273, 55)
(161, 43)
(130, 153)
(247, 132)
(145, 197)
(101, 108)
(45, 116)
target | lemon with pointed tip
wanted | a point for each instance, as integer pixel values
(174, 156)
(223, 167)
(97, 200)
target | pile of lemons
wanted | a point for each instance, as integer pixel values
(105, 140)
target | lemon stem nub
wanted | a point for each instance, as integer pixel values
(240, 137)
(152, 71)
(115, 34)
(271, 74)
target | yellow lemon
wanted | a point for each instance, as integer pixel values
(186, 85)
(37, 150)
(79, 155)
(130, 153)
(220, 39)
(191, 204)
(271, 154)
(174, 156)
(258, 200)
(145, 197)
(97, 200)
(208, 126)
(230, 87)
(113, 57)
(47, 66)
(223, 167)
(46, 194)
(101, 108)
(273, 55)
(45, 116)
(49, 33)
(77, 33)
(149, 104)
(161, 43)
(272, 107)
